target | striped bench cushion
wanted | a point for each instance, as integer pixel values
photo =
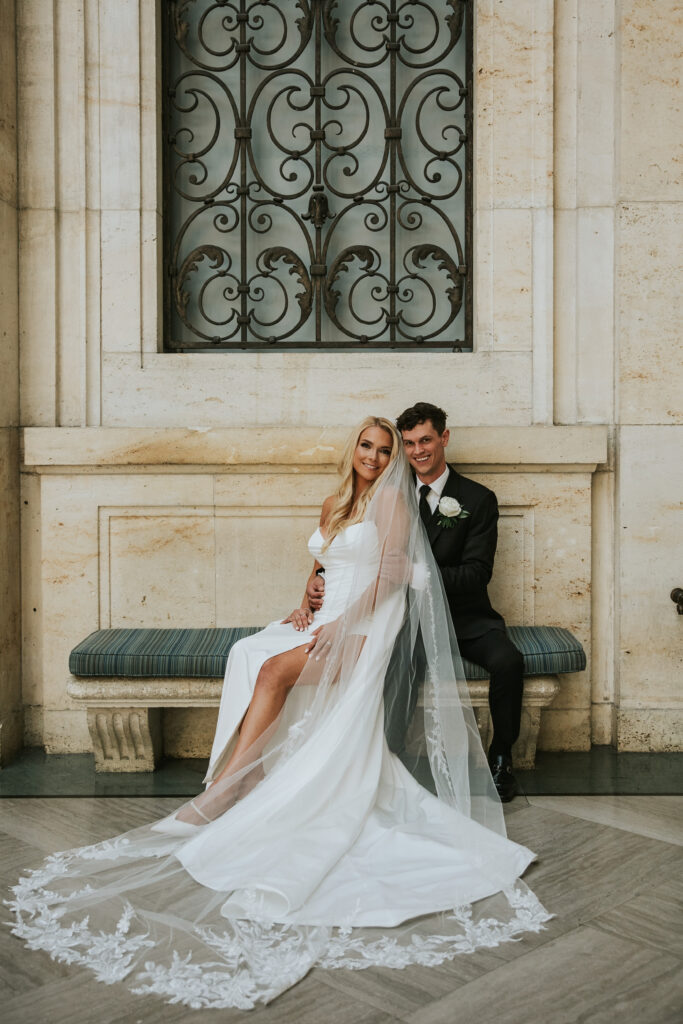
(202, 653)
(547, 651)
(144, 653)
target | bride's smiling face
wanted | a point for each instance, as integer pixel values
(372, 455)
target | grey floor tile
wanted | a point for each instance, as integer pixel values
(81, 1000)
(659, 817)
(643, 1002)
(404, 991)
(15, 857)
(586, 872)
(585, 869)
(574, 979)
(22, 971)
(61, 823)
(312, 1002)
(401, 992)
(19, 972)
(654, 918)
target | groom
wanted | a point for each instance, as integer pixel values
(464, 551)
(463, 535)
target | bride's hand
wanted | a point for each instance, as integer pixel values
(322, 639)
(301, 618)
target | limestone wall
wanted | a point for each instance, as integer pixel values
(209, 527)
(10, 597)
(156, 486)
(649, 381)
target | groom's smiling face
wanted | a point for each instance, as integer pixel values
(426, 450)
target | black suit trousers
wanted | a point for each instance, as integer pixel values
(495, 652)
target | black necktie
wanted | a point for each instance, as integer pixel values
(425, 510)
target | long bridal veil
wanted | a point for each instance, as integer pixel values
(322, 847)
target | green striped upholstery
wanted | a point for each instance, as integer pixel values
(202, 653)
(547, 650)
(143, 653)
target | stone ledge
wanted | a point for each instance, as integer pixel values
(125, 725)
(150, 692)
(512, 447)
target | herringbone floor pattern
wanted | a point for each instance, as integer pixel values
(613, 952)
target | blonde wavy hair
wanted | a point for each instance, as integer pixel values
(344, 513)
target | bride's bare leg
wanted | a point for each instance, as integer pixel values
(275, 679)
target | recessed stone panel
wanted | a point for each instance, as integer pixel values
(160, 568)
(512, 587)
(67, 567)
(262, 562)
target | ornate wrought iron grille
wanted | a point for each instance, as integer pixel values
(317, 174)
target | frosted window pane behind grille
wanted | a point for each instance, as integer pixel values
(315, 174)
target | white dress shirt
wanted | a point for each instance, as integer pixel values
(435, 491)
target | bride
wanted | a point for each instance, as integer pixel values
(312, 844)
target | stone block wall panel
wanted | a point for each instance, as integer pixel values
(651, 137)
(126, 538)
(650, 313)
(650, 498)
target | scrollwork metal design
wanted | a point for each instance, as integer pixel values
(318, 174)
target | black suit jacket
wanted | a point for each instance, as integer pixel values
(464, 553)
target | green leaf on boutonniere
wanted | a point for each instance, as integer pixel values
(448, 522)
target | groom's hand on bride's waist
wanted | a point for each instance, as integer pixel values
(315, 591)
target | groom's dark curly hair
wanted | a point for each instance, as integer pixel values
(419, 413)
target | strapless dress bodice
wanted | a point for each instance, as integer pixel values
(350, 563)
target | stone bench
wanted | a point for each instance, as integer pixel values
(124, 677)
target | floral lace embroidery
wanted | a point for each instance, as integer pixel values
(256, 960)
(356, 953)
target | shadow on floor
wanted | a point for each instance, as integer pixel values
(600, 771)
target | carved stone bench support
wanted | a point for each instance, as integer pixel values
(539, 692)
(124, 715)
(125, 739)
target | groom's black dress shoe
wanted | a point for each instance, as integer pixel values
(503, 779)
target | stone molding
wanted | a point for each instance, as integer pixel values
(584, 447)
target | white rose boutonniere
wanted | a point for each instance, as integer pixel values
(449, 510)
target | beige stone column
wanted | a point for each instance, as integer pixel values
(10, 596)
(585, 198)
(649, 378)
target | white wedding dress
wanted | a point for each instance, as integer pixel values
(319, 864)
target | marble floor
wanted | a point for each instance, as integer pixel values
(610, 869)
(597, 771)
